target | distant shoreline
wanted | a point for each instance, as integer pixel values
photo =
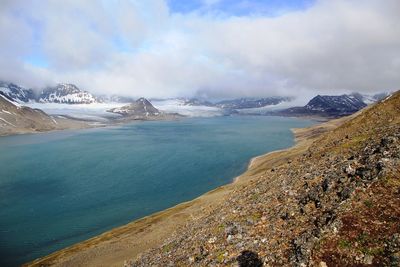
(66, 122)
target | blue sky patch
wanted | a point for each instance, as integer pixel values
(240, 7)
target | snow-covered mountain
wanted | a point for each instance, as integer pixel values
(336, 104)
(114, 99)
(246, 103)
(61, 93)
(332, 106)
(194, 102)
(178, 105)
(66, 93)
(16, 93)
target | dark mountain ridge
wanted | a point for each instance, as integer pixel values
(327, 106)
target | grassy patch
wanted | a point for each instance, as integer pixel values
(363, 238)
(354, 141)
(255, 196)
(368, 203)
(167, 247)
(392, 181)
(220, 257)
(344, 244)
(373, 251)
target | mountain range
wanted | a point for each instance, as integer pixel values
(320, 105)
(63, 93)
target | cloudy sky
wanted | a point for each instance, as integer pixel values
(206, 48)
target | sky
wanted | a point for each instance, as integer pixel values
(203, 48)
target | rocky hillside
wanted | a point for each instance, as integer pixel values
(18, 119)
(335, 204)
(15, 118)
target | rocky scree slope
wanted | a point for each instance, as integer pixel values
(338, 204)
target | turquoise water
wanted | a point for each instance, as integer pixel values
(60, 188)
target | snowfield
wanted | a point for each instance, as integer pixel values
(176, 106)
(98, 111)
(94, 111)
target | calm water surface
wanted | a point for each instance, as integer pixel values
(60, 188)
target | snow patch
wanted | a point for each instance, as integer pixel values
(9, 123)
(12, 102)
(93, 111)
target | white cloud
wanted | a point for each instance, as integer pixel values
(139, 48)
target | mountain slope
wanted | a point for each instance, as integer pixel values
(15, 118)
(18, 119)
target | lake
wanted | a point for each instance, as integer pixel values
(60, 188)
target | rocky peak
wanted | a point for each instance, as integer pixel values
(141, 107)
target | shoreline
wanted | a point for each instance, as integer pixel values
(71, 123)
(78, 124)
(113, 247)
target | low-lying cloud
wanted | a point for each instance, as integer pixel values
(142, 48)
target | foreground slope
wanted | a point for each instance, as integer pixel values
(336, 204)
